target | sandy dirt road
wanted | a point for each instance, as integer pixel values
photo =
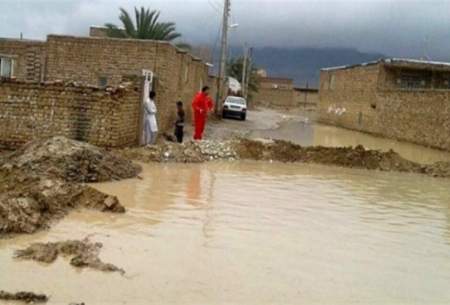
(259, 120)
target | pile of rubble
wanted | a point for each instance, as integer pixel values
(188, 152)
(38, 182)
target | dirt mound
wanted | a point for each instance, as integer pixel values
(188, 152)
(23, 296)
(354, 157)
(38, 182)
(438, 169)
(83, 253)
(70, 160)
(283, 151)
(29, 202)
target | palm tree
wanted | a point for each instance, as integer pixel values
(235, 67)
(145, 26)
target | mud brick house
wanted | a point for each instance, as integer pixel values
(91, 68)
(275, 92)
(398, 98)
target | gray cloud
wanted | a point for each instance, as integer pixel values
(394, 27)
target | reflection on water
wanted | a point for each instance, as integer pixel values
(255, 233)
(308, 134)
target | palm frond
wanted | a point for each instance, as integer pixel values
(127, 23)
(145, 25)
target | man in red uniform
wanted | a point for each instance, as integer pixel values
(201, 105)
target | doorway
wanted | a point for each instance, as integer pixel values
(147, 86)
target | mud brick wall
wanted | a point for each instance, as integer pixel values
(99, 61)
(358, 99)
(421, 116)
(306, 99)
(29, 111)
(178, 76)
(346, 96)
(98, 31)
(275, 93)
(28, 58)
(274, 98)
(88, 60)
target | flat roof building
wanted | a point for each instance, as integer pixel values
(405, 99)
(36, 100)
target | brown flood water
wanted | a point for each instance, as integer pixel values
(308, 134)
(255, 233)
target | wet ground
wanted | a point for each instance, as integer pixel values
(255, 233)
(300, 128)
(310, 134)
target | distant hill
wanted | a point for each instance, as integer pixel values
(304, 64)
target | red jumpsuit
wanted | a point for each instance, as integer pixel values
(201, 104)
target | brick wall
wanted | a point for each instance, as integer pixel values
(273, 97)
(88, 60)
(178, 74)
(421, 116)
(98, 60)
(28, 58)
(29, 111)
(98, 31)
(357, 98)
(275, 93)
(306, 98)
(346, 95)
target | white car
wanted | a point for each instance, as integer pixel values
(235, 106)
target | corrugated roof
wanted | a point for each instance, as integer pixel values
(417, 61)
(369, 63)
(394, 60)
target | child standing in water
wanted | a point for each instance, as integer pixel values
(179, 124)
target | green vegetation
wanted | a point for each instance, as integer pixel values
(145, 26)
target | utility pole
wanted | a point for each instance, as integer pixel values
(248, 74)
(223, 55)
(244, 72)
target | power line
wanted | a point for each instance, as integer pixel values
(214, 6)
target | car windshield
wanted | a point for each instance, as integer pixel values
(236, 100)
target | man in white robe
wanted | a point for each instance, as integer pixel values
(150, 124)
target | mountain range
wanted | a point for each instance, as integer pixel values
(304, 64)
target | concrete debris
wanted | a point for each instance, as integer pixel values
(23, 296)
(84, 254)
(188, 152)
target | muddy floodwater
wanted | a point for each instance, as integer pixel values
(254, 233)
(307, 133)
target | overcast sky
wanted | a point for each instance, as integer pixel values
(393, 27)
